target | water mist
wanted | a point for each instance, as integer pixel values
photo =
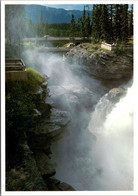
(97, 153)
(113, 150)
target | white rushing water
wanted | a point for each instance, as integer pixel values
(113, 150)
(97, 153)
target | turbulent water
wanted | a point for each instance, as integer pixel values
(113, 150)
(97, 152)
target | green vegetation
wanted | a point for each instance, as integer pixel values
(106, 22)
(92, 46)
(21, 99)
(72, 28)
(34, 78)
(112, 23)
(130, 42)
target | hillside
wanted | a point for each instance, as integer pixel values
(52, 15)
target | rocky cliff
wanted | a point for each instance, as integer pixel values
(101, 63)
(28, 164)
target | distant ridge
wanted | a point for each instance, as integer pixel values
(52, 15)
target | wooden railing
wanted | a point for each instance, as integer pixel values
(14, 65)
(15, 70)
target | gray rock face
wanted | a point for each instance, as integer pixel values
(29, 167)
(56, 185)
(44, 164)
(102, 64)
(48, 130)
(25, 175)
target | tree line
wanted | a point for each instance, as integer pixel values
(112, 22)
(108, 22)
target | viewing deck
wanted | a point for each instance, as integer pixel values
(15, 70)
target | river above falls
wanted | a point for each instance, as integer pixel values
(76, 92)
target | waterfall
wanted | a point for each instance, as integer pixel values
(112, 153)
(97, 151)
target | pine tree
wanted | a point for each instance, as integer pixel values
(105, 24)
(131, 22)
(125, 22)
(111, 19)
(83, 18)
(118, 22)
(30, 28)
(96, 22)
(72, 28)
(46, 28)
(41, 25)
(87, 24)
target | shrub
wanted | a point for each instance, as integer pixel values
(21, 100)
(34, 79)
(34, 75)
(119, 49)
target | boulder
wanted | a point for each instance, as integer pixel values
(48, 130)
(44, 164)
(102, 64)
(24, 175)
(70, 45)
(56, 185)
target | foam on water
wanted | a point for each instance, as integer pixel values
(113, 150)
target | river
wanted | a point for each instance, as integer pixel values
(92, 156)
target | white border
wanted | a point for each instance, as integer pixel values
(6, 193)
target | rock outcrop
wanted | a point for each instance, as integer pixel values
(29, 166)
(101, 63)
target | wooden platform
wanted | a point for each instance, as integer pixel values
(15, 70)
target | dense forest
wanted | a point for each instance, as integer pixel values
(109, 22)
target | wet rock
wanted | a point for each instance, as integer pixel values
(24, 175)
(36, 113)
(70, 45)
(116, 93)
(44, 85)
(48, 130)
(102, 64)
(57, 185)
(44, 164)
(65, 187)
(71, 97)
(44, 108)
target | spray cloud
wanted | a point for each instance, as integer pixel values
(97, 154)
(113, 150)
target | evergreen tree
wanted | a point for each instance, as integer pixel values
(78, 28)
(118, 22)
(41, 25)
(105, 24)
(72, 28)
(30, 29)
(125, 23)
(96, 22)
(83, 18)
(131, 21)
(87, 25)
(46, 28)
(111, 19)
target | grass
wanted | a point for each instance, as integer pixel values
(91, 46)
